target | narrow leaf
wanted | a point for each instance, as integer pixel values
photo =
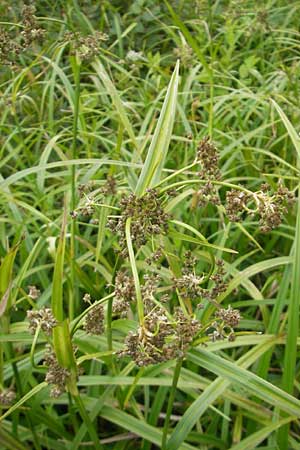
(158, 149)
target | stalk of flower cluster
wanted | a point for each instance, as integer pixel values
(139, 300)
(5, 323)
(172, 393)
(73, 294)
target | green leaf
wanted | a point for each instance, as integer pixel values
(103, 75)
(142, 429)
(248, 380)
(229, 373)
(211, 393)
(291, 130)
(6, 270)
(24, 399)
(58, 274)
(256, 438)
(158, 149)
(290, 354)
(9, 442)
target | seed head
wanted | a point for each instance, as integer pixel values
(42, 317)
(56, 375)
(7, 397)
(148, 219)
(94, 321)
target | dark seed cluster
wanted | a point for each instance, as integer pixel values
(190, 285)
(223, 326)
(33, 293)
(31, 31)
(185, 54)
(236, 202)
(87, 47)
(155, 257)
(11, 46)
(94, 321)
(42, 318)
(56, 375)
(9, 49)
(269, 207)
(148, 219)
(161, 338)
(148, 289)
(124, 293)
(208, 158)
(110, 186)
(7, 397)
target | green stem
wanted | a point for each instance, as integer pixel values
(88, 423)
(33, 345)
(197, 181)
(178, 172)
(139, 300)
(73, 293)
(10, 356)
(176, 375)
(76, 322)
(108, 324)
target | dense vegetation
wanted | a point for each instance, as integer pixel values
(150, 227)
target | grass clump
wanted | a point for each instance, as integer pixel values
(149, 231)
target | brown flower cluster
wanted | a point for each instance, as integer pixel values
(269, 207)
(87, 47)
(56, 375)
(223, 326)
(185, 54)
(161, 338)
(94, 321)
(208, 158)
(12, 45)
(124, 293)
(7, 397)
(148, 219)
(31, 31)
(42, 318)
(34, 292)
(190, 285)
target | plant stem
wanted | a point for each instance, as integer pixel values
(139, 300)
(73, 294)
(89, 424)
(10, 356)
(176, 375)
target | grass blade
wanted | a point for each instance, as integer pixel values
(153, 165)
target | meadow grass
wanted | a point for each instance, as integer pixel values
(150, 225)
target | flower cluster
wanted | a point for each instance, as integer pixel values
(94, 321)
(124, 293)
(133, 57)
(185, 54)
(269, 207)
(7, 397)
(110, 186)
(161, 338)
(33, 293)
(31, 31)
(86, 47)
(225, 321)
(42, 318)
(155, 257)
(148, 218)
(190, 285)
(208, 158)
(9, 49)
(12, 46)
(56, 375)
